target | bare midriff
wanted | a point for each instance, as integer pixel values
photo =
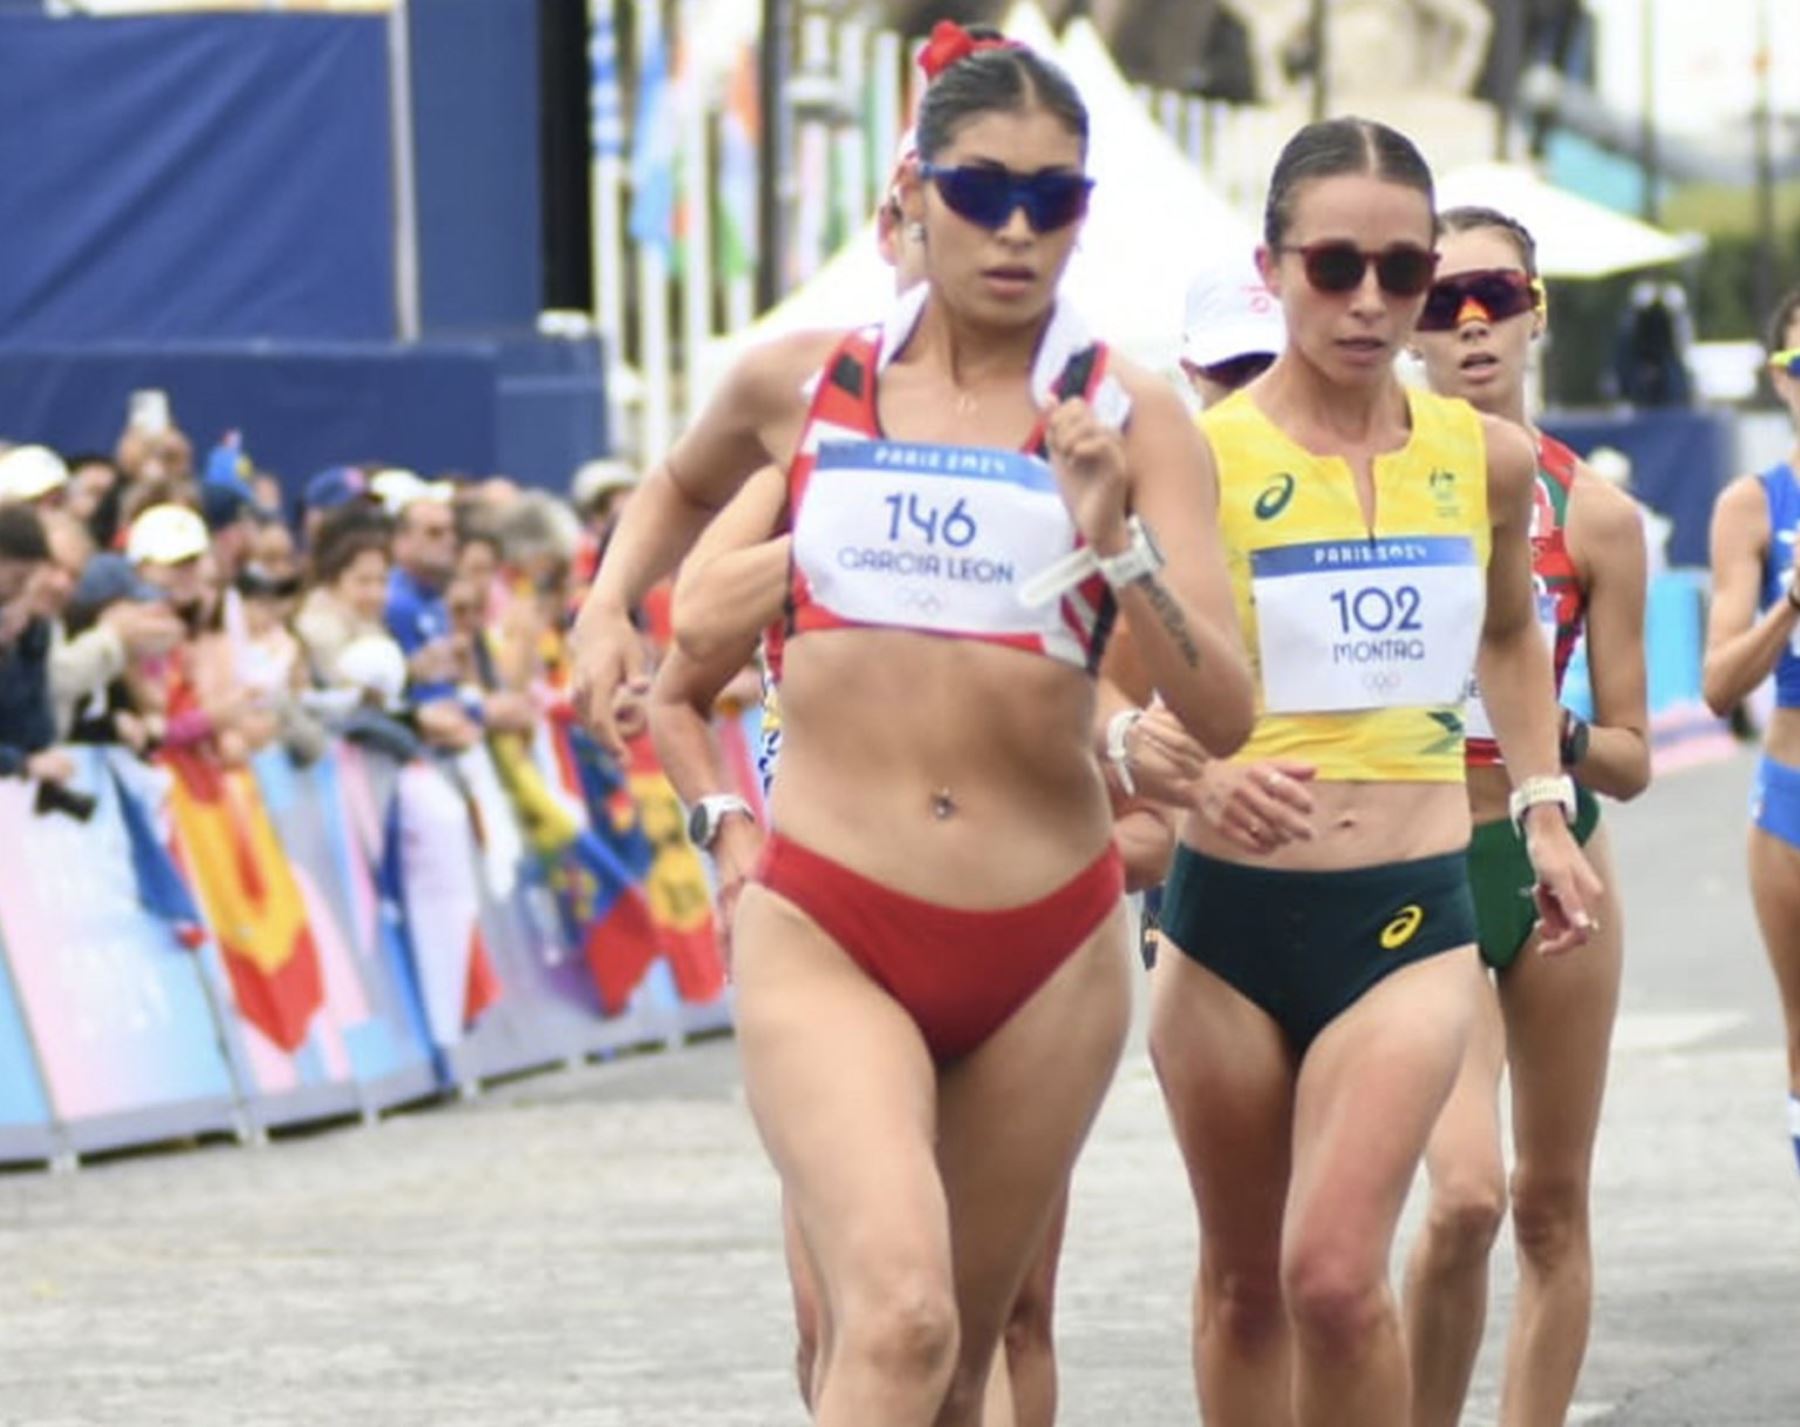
(946, 769)
(1357, 825)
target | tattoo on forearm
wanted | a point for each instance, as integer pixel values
(1174, 622)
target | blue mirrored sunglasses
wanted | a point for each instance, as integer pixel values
(988, 197)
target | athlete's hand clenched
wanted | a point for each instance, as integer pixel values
(1088, 457)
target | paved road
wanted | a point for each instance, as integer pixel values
(599, 1247)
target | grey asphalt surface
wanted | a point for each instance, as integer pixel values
(600, 1246)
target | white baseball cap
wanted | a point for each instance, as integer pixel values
(608, 473)
(31, 472)
(396, 489)
(166, 535)
(1231, 313)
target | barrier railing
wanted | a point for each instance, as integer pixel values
(234, 950)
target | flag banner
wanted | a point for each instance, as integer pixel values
(115, 1006)
(376, 1029)
(655, 141)
(252, 902)
(679, 892)
(740, 142)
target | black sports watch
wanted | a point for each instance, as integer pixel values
(707, 815)
(1575, 736)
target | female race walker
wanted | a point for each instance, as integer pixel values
(1753, 631)
(1312, 1028)
(1551, 1021)
(931, 967)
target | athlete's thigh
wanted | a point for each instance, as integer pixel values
(843, 1092)
(1227, 1078)
(1775, 891)
(1369, 1091)
(1464, 1148)
(1012, 1115)
(1559, 1020)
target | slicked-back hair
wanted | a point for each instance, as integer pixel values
(1472, 218)
(997, 81)
(1340, 146)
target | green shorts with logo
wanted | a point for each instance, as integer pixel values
(1501, 878)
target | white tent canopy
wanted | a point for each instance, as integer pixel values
(1154, 223)
(1576, 237)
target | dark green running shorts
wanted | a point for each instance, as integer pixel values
(1305, 945)
(1501, 878)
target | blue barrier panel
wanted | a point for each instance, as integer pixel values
(25, 1130)
(125, 1034)
(369, 996)
(222, 176)
(1680, 461)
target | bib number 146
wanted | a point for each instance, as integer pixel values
(955, 526)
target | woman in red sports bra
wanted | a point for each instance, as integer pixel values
(932, 970)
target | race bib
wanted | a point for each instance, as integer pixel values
(1347, 625)
(1475, 715)
(930, 537)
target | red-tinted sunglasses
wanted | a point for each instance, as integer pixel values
(1499, 292)
(988, 197)
(1337, 266)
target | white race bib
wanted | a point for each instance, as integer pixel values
(1475, 715)
(931, 537)
(1347, 625)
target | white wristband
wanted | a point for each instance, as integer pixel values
(1118, 752)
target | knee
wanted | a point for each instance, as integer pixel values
(1549, 1216)
(904, 1329)
(1244, 1306)
(1337, 1305)
(1028, 1325)
(1465, 1219)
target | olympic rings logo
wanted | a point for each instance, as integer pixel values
(1381, 681)
(923, 601)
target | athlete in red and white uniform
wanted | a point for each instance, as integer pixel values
(1551, 1018)
(931, 971)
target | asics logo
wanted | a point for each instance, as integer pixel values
(1402, 927)
(1275, 497)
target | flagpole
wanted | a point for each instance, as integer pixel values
(656, 429)
(407, 310)
(696, 177)
(606, 176)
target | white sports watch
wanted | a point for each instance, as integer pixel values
(1534, 791)
(1137, 561)
(707, 815)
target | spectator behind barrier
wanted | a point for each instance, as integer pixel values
(348, 599)
(27, 715)
(33, 474)
(100, 619)
(95, 488)
(328, 492)
(424, 555)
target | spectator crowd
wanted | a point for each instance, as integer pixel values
(154, 601)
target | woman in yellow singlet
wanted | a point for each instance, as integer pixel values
(1313, 1024)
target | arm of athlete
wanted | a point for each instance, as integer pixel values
(1742, 649)
(735, 578)
(1182, 619)
(1514, 669)
(680, 713)
(1609, 540)
(751, 421)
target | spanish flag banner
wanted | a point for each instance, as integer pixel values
(247, 889)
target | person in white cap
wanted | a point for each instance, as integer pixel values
(35, 474)
(1233, 331)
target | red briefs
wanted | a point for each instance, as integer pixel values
(960, 975)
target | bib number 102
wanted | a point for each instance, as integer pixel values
(1374, 610)
(955, 526)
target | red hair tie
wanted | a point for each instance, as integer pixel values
(950, 44)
